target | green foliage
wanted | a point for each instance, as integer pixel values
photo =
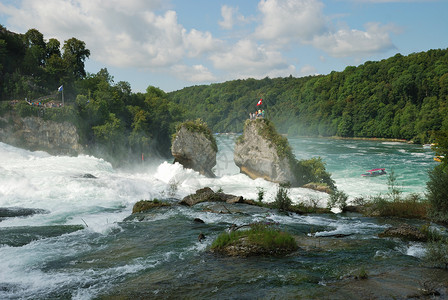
(441, 147)
(282, 200)
(394, 192)
(268, 131)
(260, 194)
(337, 199)
(32, 68)
(362, 273)
(313, 170)
(4, 107)
(437, 254)
(437, 185)
(25, 110)
(411, 207)
(437, 194)
(264, 236)
(431, 234)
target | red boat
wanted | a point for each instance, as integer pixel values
(374, 172)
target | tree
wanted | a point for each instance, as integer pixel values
(53, 48)
(75, 53)
(34, 38)
(437, 186)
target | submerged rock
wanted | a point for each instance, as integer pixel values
(88, 176)
(9, 212)
(404, 231)
(195, 148)
(20, 236)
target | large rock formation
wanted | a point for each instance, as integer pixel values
(262, 153)
(37, 134)
(195, 147)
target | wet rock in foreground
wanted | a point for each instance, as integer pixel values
(405, 232)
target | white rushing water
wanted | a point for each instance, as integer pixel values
(56, 183)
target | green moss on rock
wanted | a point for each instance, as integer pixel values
(258, 240)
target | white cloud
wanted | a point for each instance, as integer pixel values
(301, 22)
(288, 20)
(198, 42)
(248, 59)
(119, 33)
(352, 42)
(227, 13)
(307, 70)
(195, 73)
(231, 17)
(393, 1)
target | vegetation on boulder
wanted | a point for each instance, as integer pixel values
(197, 126)
(260, 239)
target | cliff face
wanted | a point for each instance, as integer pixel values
(194, 150)
(37, 134)
(257, 156)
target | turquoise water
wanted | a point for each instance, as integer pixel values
(347, 159)
(81, 245)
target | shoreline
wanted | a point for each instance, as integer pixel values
(372, 139)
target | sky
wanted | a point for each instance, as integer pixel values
(172, 44)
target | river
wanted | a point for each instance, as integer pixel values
(78, 245)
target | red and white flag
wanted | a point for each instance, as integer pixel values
(259, 102)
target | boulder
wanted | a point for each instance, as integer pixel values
(404, 231)
(195, 148)
(208, 195)
(11, 212)
(144, 205)
(201, 195)
(263, 153)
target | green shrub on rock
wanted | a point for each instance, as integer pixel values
(282, 200)
(260, 239)
(337, 199)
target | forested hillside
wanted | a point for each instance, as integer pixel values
(400, 97)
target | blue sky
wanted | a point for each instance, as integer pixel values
(172, 44)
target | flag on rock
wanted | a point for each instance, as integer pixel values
(259, 102)
(60, 89)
